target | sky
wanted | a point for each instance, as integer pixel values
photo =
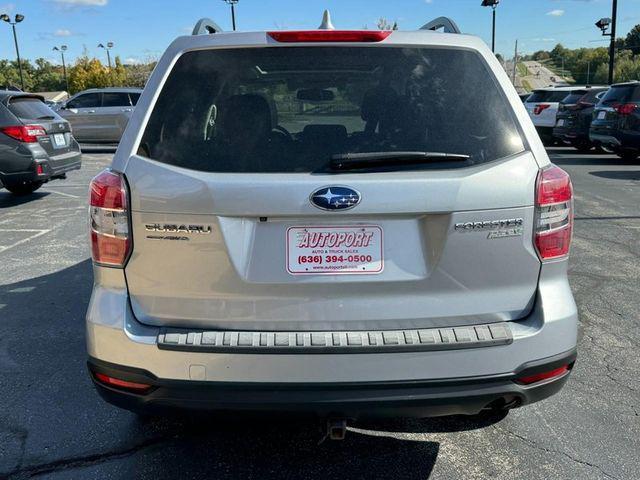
(142, 29)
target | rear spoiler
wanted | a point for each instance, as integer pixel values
(8, 98)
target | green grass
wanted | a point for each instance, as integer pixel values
(527, 86)
(523, 71)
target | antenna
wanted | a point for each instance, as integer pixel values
(326, 22)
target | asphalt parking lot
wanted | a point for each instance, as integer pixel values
(53, 424)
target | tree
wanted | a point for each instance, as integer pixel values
(383, 24)
(88, 73)
(541, 55)
(632, 42)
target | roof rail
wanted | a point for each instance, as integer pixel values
(206, 26)
(445, 23)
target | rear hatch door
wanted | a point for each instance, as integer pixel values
(607, 119)
(31, 110)
(249, 211)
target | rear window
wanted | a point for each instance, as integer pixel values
(573, 97)
(27, 108)
(538, 96)
(290, 109)
(621, 94)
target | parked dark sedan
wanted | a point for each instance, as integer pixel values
(36, 145)
(616, 120)
(574, 117)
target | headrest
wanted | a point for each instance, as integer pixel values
(245, 113)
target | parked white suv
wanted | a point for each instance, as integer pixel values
(343, 222)
(542, 105)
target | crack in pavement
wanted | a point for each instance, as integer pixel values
(535, 445)
(80, 461)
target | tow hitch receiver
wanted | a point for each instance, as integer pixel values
(335, 429)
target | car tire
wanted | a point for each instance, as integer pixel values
(583, 147)
(628, 155)
(21, 189)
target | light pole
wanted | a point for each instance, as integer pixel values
(17, 19)
(604, 24)
(62, 49)
(493, 4)
(107, 48)
(233, 11)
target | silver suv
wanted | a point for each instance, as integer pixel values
(99, 116)
(343, 222)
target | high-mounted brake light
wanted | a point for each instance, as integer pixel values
(330, 36)
(541, 107)
(24, 133)
(122, 384)
(554, 213)
(109, 217)
(539, 377)
(626, 108)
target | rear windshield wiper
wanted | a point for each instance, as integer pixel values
(46, 117)
(354, 161)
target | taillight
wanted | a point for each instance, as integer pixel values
(109, 217)
(626, 108)
(541, 107)
(330, 36)
(24, 133)
(554, 213)
(122, 384)
(539, 377)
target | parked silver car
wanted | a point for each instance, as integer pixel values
(343, 222)
(100, 115)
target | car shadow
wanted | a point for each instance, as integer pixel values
(618, 174)
(7, 199)
(72, 432)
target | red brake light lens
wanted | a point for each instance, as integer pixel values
(626, 109)
(538, 377)
(110, 238)
(330, 36)
(553, 186)
(554, 213)
(24, 133)
(122, 384)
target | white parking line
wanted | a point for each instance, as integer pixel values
(61, 193)
(38, 233)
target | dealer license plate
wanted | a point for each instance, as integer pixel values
(335, 250)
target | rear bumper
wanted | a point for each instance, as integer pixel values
(457, 396)
(544, 131)
(571, 134)
(50, 168)
(400, 383)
